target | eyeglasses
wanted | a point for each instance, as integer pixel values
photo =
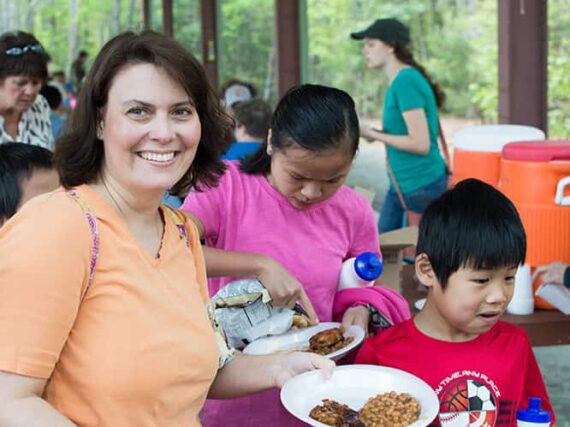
(17, 51)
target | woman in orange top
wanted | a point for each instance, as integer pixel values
(103, 318)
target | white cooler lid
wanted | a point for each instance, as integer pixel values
(492, 138)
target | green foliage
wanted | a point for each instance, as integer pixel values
(450, 40)
(559, 69)
(187, 28)
(246, 39)
(456, 40)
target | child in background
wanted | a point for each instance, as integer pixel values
(471, 241)
(57, 109)
(287, 212)
(253, 118)
(236, 90)
(57, 80)
(25, 172)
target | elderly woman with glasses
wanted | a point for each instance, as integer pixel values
(24, 114)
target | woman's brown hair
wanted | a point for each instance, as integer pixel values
(22, 54)
(404, 54)
(79, 154)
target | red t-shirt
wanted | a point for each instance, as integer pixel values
(481, 382)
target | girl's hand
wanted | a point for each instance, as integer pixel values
(286, 366)
(357, 315)
(366, 133)
(284, 289)
(551, 273)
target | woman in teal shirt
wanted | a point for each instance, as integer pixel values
(410, 122)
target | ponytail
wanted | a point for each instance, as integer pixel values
(258, 162)
(404, 54)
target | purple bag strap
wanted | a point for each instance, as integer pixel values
(179, 221)
(92, 221)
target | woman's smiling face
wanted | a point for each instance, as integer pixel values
(150, 129)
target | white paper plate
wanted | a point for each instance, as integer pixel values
(419, 304)
(299, 340)
(353, 385)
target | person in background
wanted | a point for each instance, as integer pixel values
(235, 90)
(556, 272)
(409, 119)
(24, 114)
(253, 119)
(25, 172)
(78, 70)
(284, 216)
(57, 114)
(57, 80)
(105, 316)
(471, 240)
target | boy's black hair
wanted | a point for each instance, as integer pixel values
(17, 162)
(52, 96)
(471, 225)
(255, 115)
(313, 117)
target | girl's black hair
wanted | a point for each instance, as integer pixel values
(313, 117)
(472, 225)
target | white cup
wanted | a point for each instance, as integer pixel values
(522, 301)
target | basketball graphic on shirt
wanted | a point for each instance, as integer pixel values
(467, 403)
(455, 398)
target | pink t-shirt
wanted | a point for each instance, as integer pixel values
(479, 382)
(245, 213)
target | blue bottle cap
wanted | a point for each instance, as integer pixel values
(533, 414)
(368, 266)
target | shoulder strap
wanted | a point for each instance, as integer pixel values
(396, 186)
(92, 221)
(180, 222)
(444, 146)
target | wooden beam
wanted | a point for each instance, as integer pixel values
(167, 21)
(146, 14)
(288, 44)
(523, 54)
(208, 10)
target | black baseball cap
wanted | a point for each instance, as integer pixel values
(389, 30)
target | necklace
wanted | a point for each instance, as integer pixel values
(121, 212)
(157, 224)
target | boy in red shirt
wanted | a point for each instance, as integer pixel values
(471, 241)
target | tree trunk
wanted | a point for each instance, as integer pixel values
(131, 14)
(52, 21)
(269, 85)
(72, 35)
(5, 16)
(116, 25)
(30, 16)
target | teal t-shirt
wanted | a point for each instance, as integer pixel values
(409, 91)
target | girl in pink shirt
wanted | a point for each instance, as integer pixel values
(287, 219)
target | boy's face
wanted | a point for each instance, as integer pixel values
(470, 305)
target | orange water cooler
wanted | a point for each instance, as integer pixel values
(536, 177)
(477, 150)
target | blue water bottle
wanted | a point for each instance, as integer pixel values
(360, 271)
(533, 416)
